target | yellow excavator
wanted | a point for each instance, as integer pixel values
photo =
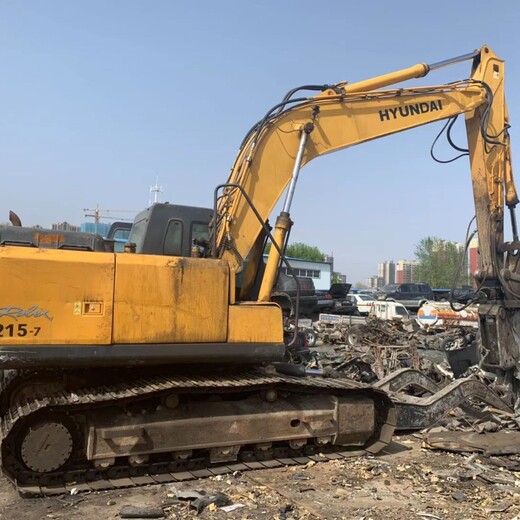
(169, 361)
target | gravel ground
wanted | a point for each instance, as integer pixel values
(406, 482)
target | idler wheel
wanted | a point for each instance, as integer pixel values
(46, 446)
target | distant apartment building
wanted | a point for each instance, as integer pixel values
(441, 244)
(65, 226)
(386, 271)
(466, 273)
(375, 282)
(473, 256)
(404, 272)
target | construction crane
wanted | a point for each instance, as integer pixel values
(97, 214)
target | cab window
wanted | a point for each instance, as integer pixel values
(137, 234)
(199, 231)
(121, 234)
(173, 238)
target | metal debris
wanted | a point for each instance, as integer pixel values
(458, 496)
(141, 512)
(232, 507)
(199, 499)
(502, 507)
(505, 442)
(370, 349)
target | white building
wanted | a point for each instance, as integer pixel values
(320, 272)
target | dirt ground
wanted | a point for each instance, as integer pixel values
(405, 482)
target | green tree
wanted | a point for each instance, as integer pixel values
(303, 251)
(336, 277)
(438, 261)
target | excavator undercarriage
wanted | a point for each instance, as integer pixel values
(58, 434)
(62, 431)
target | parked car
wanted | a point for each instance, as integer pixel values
(362, 301)
(465, 294)
(411, 295)
(342, 304)
(325, 302)
(284, 293)
(362, 291)
(462, 294)
(441, 295)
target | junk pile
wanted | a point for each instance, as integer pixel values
(440, 342)
(430, 369)
(369, 351)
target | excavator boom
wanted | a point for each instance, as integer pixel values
(349, 114)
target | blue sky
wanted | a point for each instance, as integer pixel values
(100, 98)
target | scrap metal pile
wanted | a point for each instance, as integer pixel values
(370, 351)
(436, 364)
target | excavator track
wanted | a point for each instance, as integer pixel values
(45, 435)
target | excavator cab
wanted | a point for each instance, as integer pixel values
(171, 230)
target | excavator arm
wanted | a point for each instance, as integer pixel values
(299, 130)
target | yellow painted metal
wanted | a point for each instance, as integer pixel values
(282, 227)
(416, 71)
(491, 169)
(345, 116)
(255, 323)
(232, 290)
(53, 297)
(344, 120)
(166, 299)
(250, 272)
